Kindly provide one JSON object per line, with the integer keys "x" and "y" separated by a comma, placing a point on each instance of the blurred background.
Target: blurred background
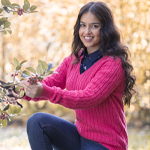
{"x": 47, "y": 35}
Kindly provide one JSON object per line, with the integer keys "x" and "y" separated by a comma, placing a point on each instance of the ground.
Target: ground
{"x": 16, "y": 139}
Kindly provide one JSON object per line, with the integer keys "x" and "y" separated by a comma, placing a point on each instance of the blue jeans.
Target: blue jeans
{"x": 48, "y": 132}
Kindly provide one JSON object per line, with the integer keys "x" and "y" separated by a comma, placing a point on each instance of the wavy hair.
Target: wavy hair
{"x": 110, "y": 43}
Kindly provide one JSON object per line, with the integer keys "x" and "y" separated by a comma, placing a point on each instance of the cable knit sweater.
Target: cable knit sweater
{"x": 95, "y": 96}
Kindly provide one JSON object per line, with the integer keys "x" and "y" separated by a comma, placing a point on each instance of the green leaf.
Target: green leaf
{"x": 8, "y": 2}
{"x": 15, "y": 5}
{"x": 23, "y": 62}
{"x": 6, "y": 9}
{"x": 33, "y": 11}
{"x": 21, "y": 94}
{"x": 18, "y": 110}
{"x": 21, "y": 114}
{"x": 43, "y": 64}
{"x": 3, "y": 2}
{"x": 7, "y": 24}
{"x": 49, "y": 66}
{"x": 31, "y": 69}
{"x": 14, "y": 110}
{"x": 49, "y": 72}
{"x": 16, "y": 61}
{"x": 1, "y": 10}
{"x": 15, "y": 13}
{"x": 18, "y": 67}
{"x": 9, "y": 31}
{"x": 6, "y": 108}
{"x": 10, "y": 6}
{"x": 33, "y": 8}
{"x": 9, "y": 110}
{"x": 26, "y": 5}
{"x": 26, "y": 72}
{"x": 13, "y": 64}
{"x": 3, "y": 32}
{"x": 18, "y": 88}
{"x": 39, "y": 69}
{"x": 4, "y": 91}
{"x": 4, "y": 123}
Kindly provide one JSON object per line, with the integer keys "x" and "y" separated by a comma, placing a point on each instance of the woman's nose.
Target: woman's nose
{"x": 87, "y": 30}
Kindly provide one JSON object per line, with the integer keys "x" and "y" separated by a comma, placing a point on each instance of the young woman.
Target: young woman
{"x": 93, "y": 81}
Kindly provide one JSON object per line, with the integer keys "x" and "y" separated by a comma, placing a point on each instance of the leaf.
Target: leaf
{"x": 26, "y": 5}
{"x": 39, "y": 69}
{"x": 21, "y": 94}
{"x": 24, "y": 76}
{"x": 7, "y": 24}
{"x": 1, "y": 10}
{"x": 18, "y": 88}
{"x": 6, "y": 9}
{"x": 0, "y": 121}
{"x": 4, "y": 91}
{"x": 18, "y": 67}
{"x": 14, "y": 13}
{"x": 21, "y": 114}
{"x": 49, "y": 66}
{"x": 14, "y": 110}
{"x": 33, "y": 11}
{"x": 4, "y": 123}
{"x": 43, "y": 64}
{"x": 3, "y": 32}
{"x": 3, "y": 2}
{"x": 8, "y": 2}
{"x": 23, "y": 62}
{"x": 49, "y": 72}
{"x": 31, "y": 69}
{"x": 12, "y": 64}
{"x": 6, "y": 108}
{"x": 15, "y": 5}
{"x": 26, "y": 72}
{"x": 32, "y": 8}
{"x": 16, "y": 62}
{"x": 3, "y": 20}
{"x": 9, "y": 110}
{"x": 9, "y": 31}
{"x": 18, "y": 110}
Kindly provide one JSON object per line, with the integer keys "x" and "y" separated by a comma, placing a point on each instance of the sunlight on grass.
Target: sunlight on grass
{"x": 16, "y": 139}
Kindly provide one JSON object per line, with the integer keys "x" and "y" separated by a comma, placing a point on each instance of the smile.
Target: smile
{"x": 88, "y": 38}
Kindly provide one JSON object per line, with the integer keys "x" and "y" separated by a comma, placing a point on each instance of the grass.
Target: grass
{"x": 16, "y": 139}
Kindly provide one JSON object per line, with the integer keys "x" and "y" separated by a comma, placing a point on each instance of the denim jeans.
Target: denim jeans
{"x": 48, "y": 132}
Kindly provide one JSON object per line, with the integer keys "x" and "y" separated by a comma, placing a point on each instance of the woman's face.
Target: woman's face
{"x": 89, "y": 31}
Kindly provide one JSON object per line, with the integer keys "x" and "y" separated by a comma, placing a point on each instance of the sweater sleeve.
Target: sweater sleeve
{"x": 57, "y": 79}
{"x": 101, "y": 86}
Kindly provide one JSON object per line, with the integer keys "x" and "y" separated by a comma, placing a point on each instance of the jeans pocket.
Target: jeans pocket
{"x": 91, "y": 145}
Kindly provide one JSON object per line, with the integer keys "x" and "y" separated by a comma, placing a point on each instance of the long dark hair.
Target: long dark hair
{"x": 110, "y": 43}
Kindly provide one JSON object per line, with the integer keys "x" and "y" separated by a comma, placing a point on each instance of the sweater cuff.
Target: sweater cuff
{"x": 46, "y": 92}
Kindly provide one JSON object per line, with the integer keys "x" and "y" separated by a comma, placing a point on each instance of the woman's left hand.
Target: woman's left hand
{"x": 33, "y": 90}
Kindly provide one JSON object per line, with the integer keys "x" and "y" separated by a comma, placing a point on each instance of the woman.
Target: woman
{"x": 93, "y": 81}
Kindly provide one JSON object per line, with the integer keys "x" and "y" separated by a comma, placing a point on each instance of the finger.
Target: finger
{"x": 15, "y": 94}
{"x": 25, "y": 83}
{"x": 12, "y": 100}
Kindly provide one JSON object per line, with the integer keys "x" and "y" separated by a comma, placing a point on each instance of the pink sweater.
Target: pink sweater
{"x": 95, "y": 96}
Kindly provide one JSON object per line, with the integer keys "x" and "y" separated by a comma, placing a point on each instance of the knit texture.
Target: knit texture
{"x": 95, "y": 96}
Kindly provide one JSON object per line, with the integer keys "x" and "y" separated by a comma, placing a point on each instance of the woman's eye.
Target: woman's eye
{"x": 82, "y": 25}
{"x": 95, "y": 26}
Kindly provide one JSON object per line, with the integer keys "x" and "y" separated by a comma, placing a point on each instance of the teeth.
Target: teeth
{"x": 86, "y": 37}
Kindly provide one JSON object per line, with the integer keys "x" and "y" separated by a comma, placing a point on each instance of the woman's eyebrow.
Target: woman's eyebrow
{"x": 90, "y": 23}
